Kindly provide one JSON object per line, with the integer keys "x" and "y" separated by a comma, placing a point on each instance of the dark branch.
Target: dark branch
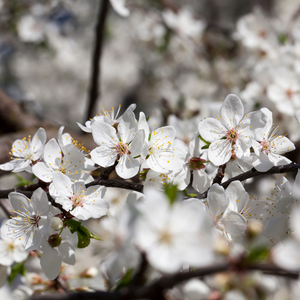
{"x": 155, "y": 290}
{"x": 220, "y": 174}
{"x": 290, "y": 168}
{"x": 96, "y": 58}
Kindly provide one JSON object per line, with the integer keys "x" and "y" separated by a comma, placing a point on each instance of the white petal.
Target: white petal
{"x": 217, "y": 201}
{"x": 40, "y": 201}
{"x": 234, "y": 223}
{"x": 120, "y": 8}
{"x": 211, "y": 129}
{"x": 67, "y": 253}
{"x": 51, "y": 262}
{"x": 232, "y": 111}
{"x": 219, "y": 152}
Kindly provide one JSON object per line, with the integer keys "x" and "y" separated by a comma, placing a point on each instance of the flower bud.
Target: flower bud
{"x": 89, "y": 273}
{"x": 54, "y": 240}
{"x": 34, "y": 278}
{"x": 56, "y": 224}
{"x": 254, "y": 227}
{"x": 196, "y": 163}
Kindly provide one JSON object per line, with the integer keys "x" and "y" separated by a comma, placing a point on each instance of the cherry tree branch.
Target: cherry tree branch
{"x": 290, "y": 168}
{"x": 95, "y": 71}
{"x": 156, "y": 289}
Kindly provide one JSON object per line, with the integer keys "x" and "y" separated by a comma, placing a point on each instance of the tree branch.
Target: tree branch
{"x": 154, "y": 290}
{"x": 96, "y": 58}
{"x": 290, "y": 168}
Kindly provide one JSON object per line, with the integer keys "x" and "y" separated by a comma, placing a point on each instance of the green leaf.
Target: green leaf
{"x": 84, "y": 230}
{"x": 125, "y": 280}
{"x": 83, "y": 239}
{"x": 171, "y": 191}
{"x": 148, "y": 119}
{"x": 258, "y": 254}
{"x": 16, "y": 269}
{"x": 73, "y": 225}
{"x": 149, "y": 137}
{"x": 22, "y": 181}
{"x": 205, "y": 147}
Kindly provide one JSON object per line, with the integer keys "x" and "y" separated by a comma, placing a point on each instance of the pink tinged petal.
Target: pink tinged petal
{"x": 52, "y": 154}
{"x": 127, "y": 166}
{"x": 104, "y": 134}
{"x": 232, "y": 111}
{"x": 219, "y": 152}
{"x": 67, "y": 253}
{"x": 201, "y": 181}
{"x": 217, "y": 201}
{"x": 40, "y": 201}
{"x": 211, "y": 129}
{"x": 43, "y": 172}
{"x": 51, "y": 262}
{"x": 104, "y": 156}
{"x": 62, "y": 184}
{"x": 234, "y": 223}
{"x": 20, "y": 202}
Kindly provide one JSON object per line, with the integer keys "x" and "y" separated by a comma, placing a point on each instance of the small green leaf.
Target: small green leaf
{"x": 258, "y": 254}
{"x": 73, "y": 225}
{"x": 83, "y": 239}
{"x": 16, "y": 269}
{"x": 148, "y": 119}
{"x": 205, "y": 147}
{"x": 149, "y": 137}
{"x": 22, "y": 181}
{"x": 125, "y": 280}
{"x": 84, "y": 230}
{"x": 171, "y": 191}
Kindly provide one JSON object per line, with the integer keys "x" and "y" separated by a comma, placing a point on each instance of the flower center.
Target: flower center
{"x": 165, "y": 237}
{"x": 232, "y": 135}
{"x": 122, "y": 148}
{"x": 77, "y": 200}
{"x": 265, "y": 146}
{"x": 289, "y": 93}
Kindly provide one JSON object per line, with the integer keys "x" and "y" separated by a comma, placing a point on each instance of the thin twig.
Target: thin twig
{"x": 220, "y": 174}
{"x": 290, "y": 168}
{"x": 96, "y": 58}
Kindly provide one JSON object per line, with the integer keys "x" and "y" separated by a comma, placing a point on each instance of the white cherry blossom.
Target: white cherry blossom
{"x": 231, "y": 133}
{"x": 11, "y": 251}
{"x": 124, "y": 145}
{"x": 33, "y": 219}
{"x": 25, "y": 152}
{"x": 170, "y": 235}
{"x": 70, "y": 163}
{"x": 269, "y": 147}
{"x": 81, "y": 202}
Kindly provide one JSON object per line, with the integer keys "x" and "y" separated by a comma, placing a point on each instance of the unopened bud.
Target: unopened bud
{"x": 221, "y": 246}
{"x": 34, "y": 278}
{"x": 54, "y": 240}
{"x": 89, "y": 273}
{"x": 196, "y": 163}
{"x": 254, "y": 227}
{"x": 56, "y": 224}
